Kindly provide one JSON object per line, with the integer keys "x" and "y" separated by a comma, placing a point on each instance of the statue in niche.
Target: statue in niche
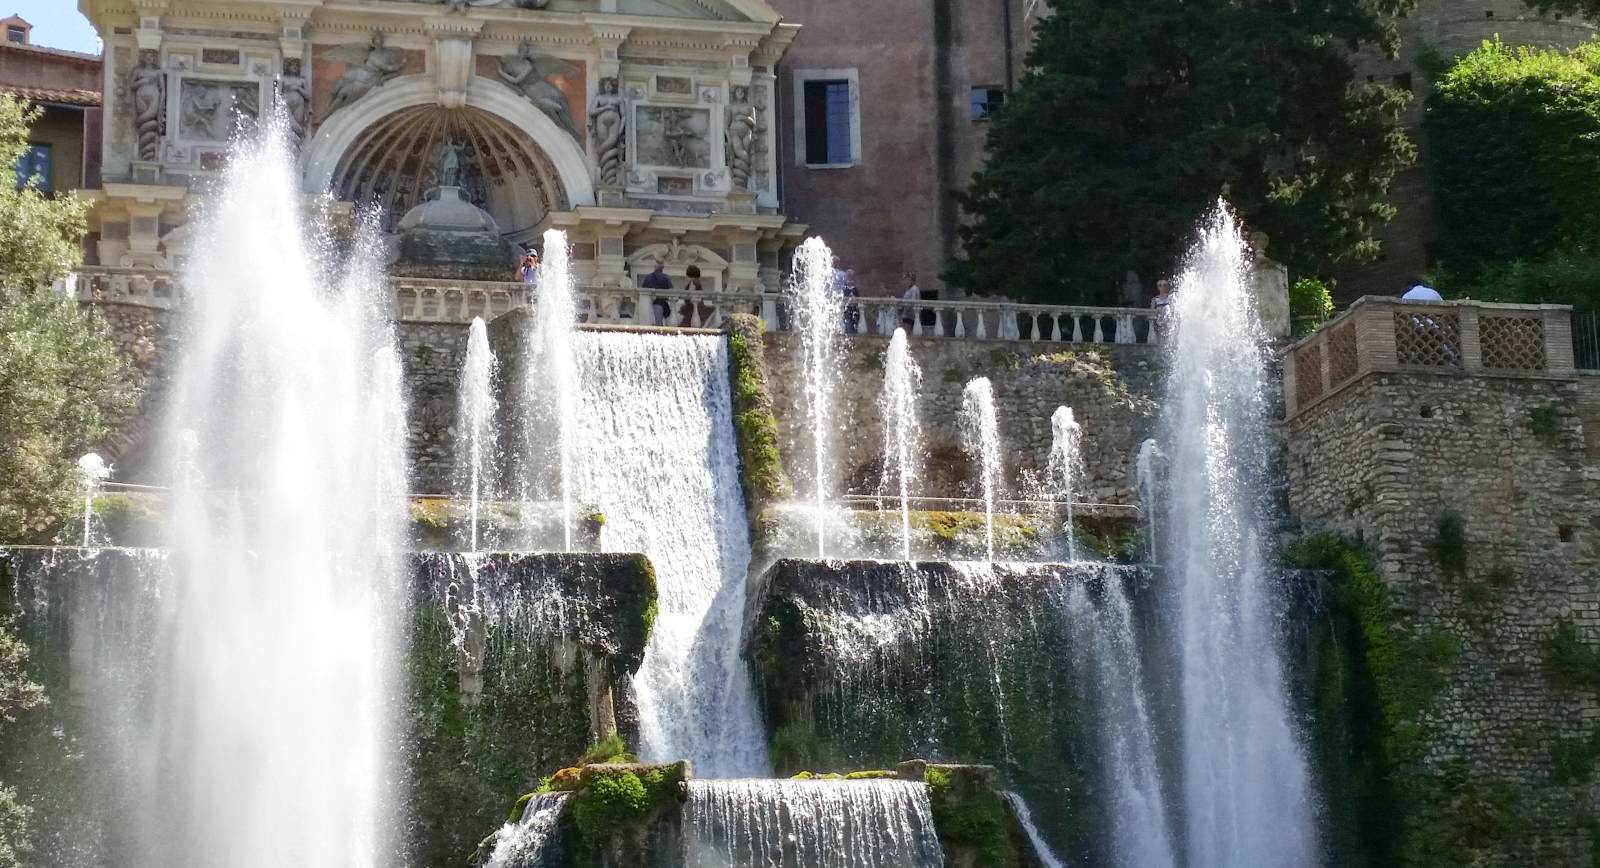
{"x": 451, "y": 157}
{"x": 377, "y": 64}
{"x": 675, "y": 135}
{"x": 530, "y": 74}
{"x": 607, "y": 128}
{"x": 295, "y": 92}
{"x": 741, "y": 136}
{"x": 147, "y": 86}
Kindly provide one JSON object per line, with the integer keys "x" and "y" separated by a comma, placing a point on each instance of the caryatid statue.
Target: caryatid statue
{"x": 295, "y": 91}
{"x": 608, "y": 132}
{"x": 741, "y": 144}
{"x": 448, "y": 173}
{"x": 147, "y": 88}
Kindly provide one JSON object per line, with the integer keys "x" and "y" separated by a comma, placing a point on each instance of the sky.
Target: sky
{"x": 56, "y": 23}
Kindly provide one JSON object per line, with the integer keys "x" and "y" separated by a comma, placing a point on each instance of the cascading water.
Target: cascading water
{"x": 809, "y": 824}
{"x": 1065, "y": 467}
{"x": 1247, "y": 790}
{"x": 898, "y": 403}
{"x": 1138, "y": 812}
{"x": 981, "y": 438}
{"x": 94, "y": 471}
{"x": 532, "y": 841}
{"x": 1041, "y": 847}
{"x": 272, "y": 734}
{"x": 660, "y": 463}
{"x": 550, "y": 388}
{"x": 475, "y": 424}
{"x": 1147, "y": 467}
{"x": 817, "y": 307}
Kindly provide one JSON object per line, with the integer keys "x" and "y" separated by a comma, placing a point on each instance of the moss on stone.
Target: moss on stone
{"x": 970, "y": 819}
{"x": 616, "y": 802}
{"x": 1569, "y": 662}
{"x": 754, "y": 422}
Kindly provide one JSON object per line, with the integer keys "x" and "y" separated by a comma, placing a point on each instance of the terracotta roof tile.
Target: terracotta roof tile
{"x": 45, "y": 94}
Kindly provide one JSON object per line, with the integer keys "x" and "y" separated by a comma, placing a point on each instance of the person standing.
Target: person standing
{"x": 911, "y": 293}
{"x": 658, "y": 280}
{"x": 1419, "y": 291}
{"x": 528, "y": 274}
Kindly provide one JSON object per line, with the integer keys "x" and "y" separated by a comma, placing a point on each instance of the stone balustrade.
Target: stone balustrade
{"x": 453, "y": 301}
{"x": 1387, "y": 335}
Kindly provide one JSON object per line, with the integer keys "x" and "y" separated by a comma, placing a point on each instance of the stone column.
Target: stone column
{"x": 1270, "y": 286}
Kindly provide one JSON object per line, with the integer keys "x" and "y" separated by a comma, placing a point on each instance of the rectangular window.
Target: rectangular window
{"x": 18, "y": 35}
{"x": 35, "y": 164}
{"x": 827, "y": 119}
{"x": 986, "y": 100}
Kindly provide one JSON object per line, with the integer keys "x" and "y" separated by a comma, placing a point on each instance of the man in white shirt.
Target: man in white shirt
{"x": 1420, "y": 291}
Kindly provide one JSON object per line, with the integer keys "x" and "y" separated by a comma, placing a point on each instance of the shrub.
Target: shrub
{"x": 1310, "y": 304}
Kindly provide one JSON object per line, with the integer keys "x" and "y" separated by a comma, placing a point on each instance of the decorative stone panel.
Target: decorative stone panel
{"x": 1428, "y": 339}
{"x": 1344, "y": 360}
{"x": 1308, "y": 375}
{"x": 1512, "y": 343}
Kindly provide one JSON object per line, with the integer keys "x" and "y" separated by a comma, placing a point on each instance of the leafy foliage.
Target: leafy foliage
{"x": 1515, "y": 140}
{"x": 1310, "y": 304}
{"x": 1134, "y": 117}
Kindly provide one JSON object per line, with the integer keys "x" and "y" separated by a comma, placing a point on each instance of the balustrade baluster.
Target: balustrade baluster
{"x": 961, "y": 323}
{"x": 769, "y": 312}
{"x": 1099, "y": 336}
{"x": 1125, "y": 329}
{"x": 983, "y": 328}
{"x": 938, "y": 322}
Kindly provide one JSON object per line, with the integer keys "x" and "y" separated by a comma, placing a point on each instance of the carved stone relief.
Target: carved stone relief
{"x": 677, "y": 137}
{"x": 529, "y": 73}
{"x": 209, "y": 111}
{"x": 376, "y": 64}
{"x": 295, "y": 91}
{"x": 740, "y": 145}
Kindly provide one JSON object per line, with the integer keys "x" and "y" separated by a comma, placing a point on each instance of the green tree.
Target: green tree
{"x": 61, "y": 380}
{"x": 1515, "y": 141}
{"x": 1134, "y": 117}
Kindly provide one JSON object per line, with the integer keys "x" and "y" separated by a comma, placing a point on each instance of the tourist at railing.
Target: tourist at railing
{"x": 1422, "y": 323}
{"x": 687, "y": 310}
{"x": 528, "y": 274}
{"x": 852, "y": 311}
{"x": 658, "y": 280}
{"x": 912, "y": 293}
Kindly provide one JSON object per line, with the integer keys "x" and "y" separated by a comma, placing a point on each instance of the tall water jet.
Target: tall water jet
{"x": 817, "y": 307}
{"x": 660, "y": 461}
{"x": 1065, "y": 467}
{"x": 901, "y": 434}
{"x": 981, "y": 438}
{"x": 550, "y": 386}
{"x": 534, "y": 839}
{"x": 475, "y": 423}
{"x": 1247, "y": 790}
{"x": 94, "y": 471}
{"x": 1041, "y": 848}
{"x": 269, "y": 733}
{"x": 1147, "y": 466}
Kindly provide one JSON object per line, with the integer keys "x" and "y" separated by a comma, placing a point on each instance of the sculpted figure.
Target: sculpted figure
{"x": 450, "y": 160}
{"x": 200, "y": 111}
{"x": 147, "y": 86}
{"x": 295, "y": 91}
{"x": 527, "y": 73}
{"x": 607, "y": 127}
{"x": 378, "y": 65}
{"x": 741, "y": 144}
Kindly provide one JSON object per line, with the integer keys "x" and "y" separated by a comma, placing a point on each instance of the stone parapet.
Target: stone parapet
{"x": 1377, "y": 334}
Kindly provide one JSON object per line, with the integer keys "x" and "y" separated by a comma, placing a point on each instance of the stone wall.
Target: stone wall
{"x": 1392, "y": 460}
{"x": 1111, "y": 390}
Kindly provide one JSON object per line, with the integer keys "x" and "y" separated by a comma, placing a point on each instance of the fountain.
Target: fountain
{"x": 475, "y": 424}
{"x": 94, "y": 471}
{"x": 1146, "y": 467}
{"x": 817, "y": 307}
{"x": 532, "y": 839}
{"x": 1247, "y": 791}
{"x": 815, "y": 824}
{"x": 1041, "y": 848}
{"x": 550, "y": 388}
{"x": 1064, "y": 468}
{"x": 275, "y": 642}
{"x": 898, "y": 403}
{"x": 981, "y": 438}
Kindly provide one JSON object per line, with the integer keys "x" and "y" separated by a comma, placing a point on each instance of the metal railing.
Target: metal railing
{"x": 456, "y": 301}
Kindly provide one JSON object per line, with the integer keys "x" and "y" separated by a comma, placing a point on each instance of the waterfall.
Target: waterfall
{"x": 901, "y": 434}
{"x": 817, "y": 306}
{"x": 475, "y": 423}
{"x": 276, "y": 641}
{"x": 1147, "y": 468}
{"x": 1065, "y": 466}
{"x": 550, "y": 388}
{"x": 94, "y": 471}
{"x": 809, "y": 824}
{"x": 660, "y": 463}
{"x": 1140, "y": 832}
{"x": 533, "y": 840}
{"x": 981, "y": 438}
{"x": 1247, "y": 790}
{"x": 1041, "y": 847}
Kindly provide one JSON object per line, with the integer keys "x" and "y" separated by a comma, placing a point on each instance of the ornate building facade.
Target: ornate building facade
{"x": 645, "y": 128}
